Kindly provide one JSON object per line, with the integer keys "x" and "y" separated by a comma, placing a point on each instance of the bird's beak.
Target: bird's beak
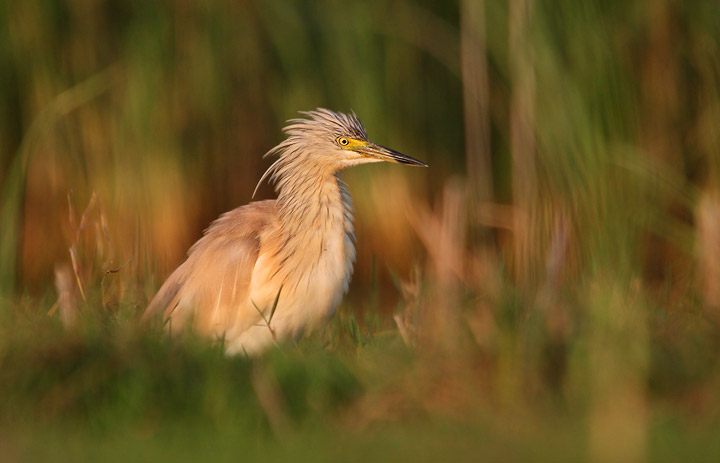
{"x": 372, "y": 150}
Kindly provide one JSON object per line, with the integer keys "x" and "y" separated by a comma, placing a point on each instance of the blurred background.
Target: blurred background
{"x": 562, "y": 252}
{"x": 165, "y": 110}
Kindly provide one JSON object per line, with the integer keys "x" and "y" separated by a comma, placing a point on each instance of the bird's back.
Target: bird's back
{"x": 210, "y": 290}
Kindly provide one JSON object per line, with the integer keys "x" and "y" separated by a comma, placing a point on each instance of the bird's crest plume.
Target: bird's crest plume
{"x": 319, "y": 123}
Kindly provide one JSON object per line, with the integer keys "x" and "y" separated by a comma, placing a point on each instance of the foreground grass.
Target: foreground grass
{"x": 425, "y": 442}
{"x": 108, "y": 389}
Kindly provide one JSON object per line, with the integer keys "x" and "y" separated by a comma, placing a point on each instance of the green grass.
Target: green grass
{"x": 109, "y": 388}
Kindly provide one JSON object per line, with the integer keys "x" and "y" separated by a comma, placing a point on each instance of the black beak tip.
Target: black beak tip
{"x": 415, "y": 162}
{"x": 404, "y": 159}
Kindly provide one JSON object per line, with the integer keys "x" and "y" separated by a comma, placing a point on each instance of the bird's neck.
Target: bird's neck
{"x": 315, "y": 206}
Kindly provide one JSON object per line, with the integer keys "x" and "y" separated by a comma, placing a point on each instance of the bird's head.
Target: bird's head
{"x": 326, "y": 141}
{"x": 344, "y": 139}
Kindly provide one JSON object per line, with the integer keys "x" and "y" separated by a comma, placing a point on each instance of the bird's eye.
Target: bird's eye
{"x": 343, "y": 141}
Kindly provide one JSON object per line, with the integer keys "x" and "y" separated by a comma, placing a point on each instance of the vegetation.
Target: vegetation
{"x": 548, "y": 290}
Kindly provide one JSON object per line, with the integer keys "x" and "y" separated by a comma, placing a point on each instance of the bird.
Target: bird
{"x": 273, "y": 271}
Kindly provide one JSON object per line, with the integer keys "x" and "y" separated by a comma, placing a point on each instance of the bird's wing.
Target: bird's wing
{"x": 211, "y": 288}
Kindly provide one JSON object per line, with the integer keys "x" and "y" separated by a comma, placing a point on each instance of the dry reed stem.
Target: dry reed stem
{"x": 618, "y": 362}
{"x": 270, "y": 399}
{"x": 67, "y": 301}
{"x": 476, "y": 100}
{"x": 708, "y": 249}
{"x": 443, "y": 234}
{"x": 522, "y": 133}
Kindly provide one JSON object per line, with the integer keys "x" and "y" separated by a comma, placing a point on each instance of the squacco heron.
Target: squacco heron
{"x": 274, "y": 270}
